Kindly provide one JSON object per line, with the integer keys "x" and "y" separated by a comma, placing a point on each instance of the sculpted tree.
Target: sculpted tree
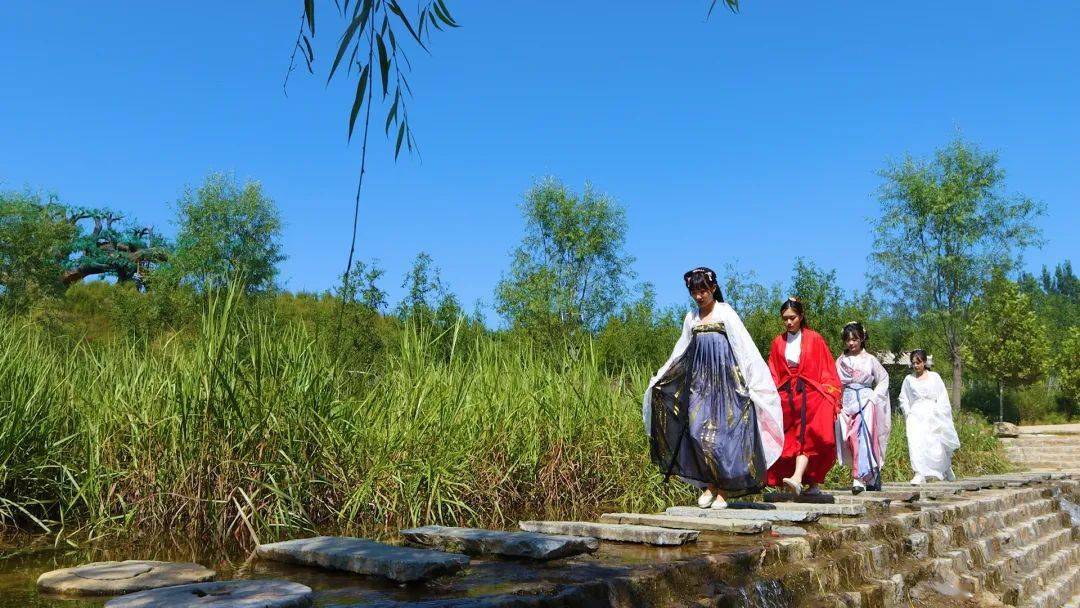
{"x": 570, "y": 269}
{"x": 110, "y": 247}
{"x": 1006, "y": 341}
{"x": 945, "y": 222}
{"x": 47, "y": 246}
{"x": 227, "y": 231}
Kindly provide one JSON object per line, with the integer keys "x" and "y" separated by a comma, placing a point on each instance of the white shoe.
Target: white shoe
{"x": 796, "y": 488}
{"x": 719, "y": 503}
{"x": 706, "y": 499}
{"x": 918, "y": 480}
{"x": 857, "y": 486}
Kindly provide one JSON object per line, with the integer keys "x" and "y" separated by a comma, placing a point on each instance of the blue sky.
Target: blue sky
{"x": 748, "y": 139}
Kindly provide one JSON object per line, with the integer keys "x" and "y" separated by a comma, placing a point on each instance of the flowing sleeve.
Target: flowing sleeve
{"x": 680, "y": 348}
{"x": 905, "y": 402}
{"x": 760, "y": 384}
{"x": 943, "y": 402}
{"x": 881, "y": 380}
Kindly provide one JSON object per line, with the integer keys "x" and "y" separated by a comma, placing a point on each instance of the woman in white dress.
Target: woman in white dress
{"x": 865, "y": 416}
{"x": 930, "y": 432}
{"x": 712, "y": 412}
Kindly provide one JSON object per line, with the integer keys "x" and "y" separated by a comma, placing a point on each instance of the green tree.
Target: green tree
{"x": 827, "y": 307}
{"x": 1005, "y": 340}
{"x": 227, "y": 231}
{"x": 35, "y": 238}
{"x": 424, "y": 289}
{"x": 640, "y": 335}
{"x": 1063, "y": 363}
{"x": 945, "y": 223}
{"x": 570, "y": 270}
{"x": 757, "y": 305}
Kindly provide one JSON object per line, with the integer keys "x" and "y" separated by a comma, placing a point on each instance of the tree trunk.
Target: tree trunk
{"x": 957, "y": 382}
{"x": 1001, "y": 403}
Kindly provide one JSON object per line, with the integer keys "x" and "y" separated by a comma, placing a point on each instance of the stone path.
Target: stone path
{"x": 773, "y": 515}
{"x": 649, "y": 535}
{"x": 704, "y": 524}
{"x": 115, "y": 578}
{"x": 400, "y": 564}
{"x": 229, "y": 594}
{"x": 496, "y": 542}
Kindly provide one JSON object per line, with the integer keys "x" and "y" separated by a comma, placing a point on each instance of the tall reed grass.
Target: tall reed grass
{"x": 253, "y": 430}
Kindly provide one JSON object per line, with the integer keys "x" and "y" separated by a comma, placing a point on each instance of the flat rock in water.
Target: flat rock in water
{"x": 511, "y": 544}
{"x": 771, "y": 515}
{"x": 818, "y": 499}
{"x": 850, "y": 509}
{"x": 118, "y": 578}
{"x": 649, "y": 535}
{"x": 226, "y": 594}
{"x": 736, "y": 526}
{"x": 401, "y": 564}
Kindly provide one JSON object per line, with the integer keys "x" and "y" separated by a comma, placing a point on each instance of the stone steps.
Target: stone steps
{"x": 1017, "y": 561}
{"x": 871, "y": 571}
{"x": 1029, "y": 585}
{"x": 1060, "y": 591}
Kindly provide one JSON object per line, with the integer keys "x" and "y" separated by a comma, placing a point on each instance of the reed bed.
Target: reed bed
{"x": 253, "y": 431}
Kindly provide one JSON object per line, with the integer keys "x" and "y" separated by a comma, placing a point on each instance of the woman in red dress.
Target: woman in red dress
{"x": 804, "y": 371}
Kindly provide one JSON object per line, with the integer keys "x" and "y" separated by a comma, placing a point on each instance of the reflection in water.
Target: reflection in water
{"x": 19, "y": 569}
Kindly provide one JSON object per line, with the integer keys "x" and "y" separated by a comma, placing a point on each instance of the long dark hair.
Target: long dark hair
{"x": 854, "y": 329}
{"x": 920, "y": 354}
{"x": 793, "y": 303}
{"x": 703, "y": 278}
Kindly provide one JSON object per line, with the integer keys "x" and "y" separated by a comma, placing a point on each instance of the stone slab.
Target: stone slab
{"x": 735, "y": 526}
{"x": 117, "y": 578}
{"x": 817, "y": 499}
{"x": 771, "y": 515}
{"x": 528, "y": 545}
{"x": 789, "y": 531}
{"x": 227, "y": 594}
{"x": 401, "y": 564}
{"x": 649, "y": 535}
{"x": 847, "y": 510}
{"x": 888, "y": 495}
{"x": 939, "y": 488}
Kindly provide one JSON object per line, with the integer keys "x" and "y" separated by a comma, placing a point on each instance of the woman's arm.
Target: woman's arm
{"x": 881, "y": 379}
{"x": 905, "y": 402}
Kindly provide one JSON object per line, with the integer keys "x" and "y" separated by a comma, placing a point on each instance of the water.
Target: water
{"x": 20, "y": 567}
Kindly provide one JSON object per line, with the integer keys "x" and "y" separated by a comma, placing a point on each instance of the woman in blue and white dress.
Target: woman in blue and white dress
{"x": 712, "y": 412}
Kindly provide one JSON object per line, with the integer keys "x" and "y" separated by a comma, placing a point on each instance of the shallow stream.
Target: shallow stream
{"x": 20, "y": 567}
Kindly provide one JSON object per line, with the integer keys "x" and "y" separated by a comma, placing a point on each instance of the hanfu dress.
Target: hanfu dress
{"x": 712, "y": 413}
{"x": 865, "y": 418}
{"x": 930, "y": 432}
{"x": 804, "y": 372}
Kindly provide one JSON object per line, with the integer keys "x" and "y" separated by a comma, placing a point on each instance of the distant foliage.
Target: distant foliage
{"x": 34, "y": 242}
{"x": 1006, "y": 341}
{"x": 640, "y": 335}
{"x": 225, "y": 231}
{"x": 945, "y": 223}
{"x": 570, "y": 270}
